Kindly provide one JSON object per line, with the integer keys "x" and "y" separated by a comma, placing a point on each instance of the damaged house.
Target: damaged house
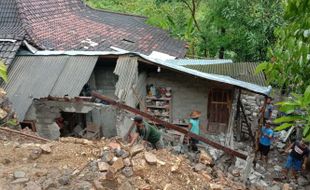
{"x": 58, "y": 51}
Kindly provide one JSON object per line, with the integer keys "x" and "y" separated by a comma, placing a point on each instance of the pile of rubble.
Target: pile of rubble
{"x": 72, "y": 163}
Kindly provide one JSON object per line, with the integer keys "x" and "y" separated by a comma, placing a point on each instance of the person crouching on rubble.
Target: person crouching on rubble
{"x": 265, "y": 141}
{"x": 147, "y": 132}
{"x": 297, "y": 158}
{"x": 194, "y": 127}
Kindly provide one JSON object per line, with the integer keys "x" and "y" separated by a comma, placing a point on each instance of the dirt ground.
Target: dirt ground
{"x": 73, "y": 165}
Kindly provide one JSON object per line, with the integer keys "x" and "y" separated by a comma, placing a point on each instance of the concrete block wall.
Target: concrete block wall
{"x": 188, "y": 93}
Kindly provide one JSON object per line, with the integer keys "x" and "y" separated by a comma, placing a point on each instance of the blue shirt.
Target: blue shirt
{"x": 264, "y": 140}
{"x": 195, "y": 125}
{"x": 268, "y": 111}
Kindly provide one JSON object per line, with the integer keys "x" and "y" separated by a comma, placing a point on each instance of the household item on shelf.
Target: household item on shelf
{"x": 158, "y": 104}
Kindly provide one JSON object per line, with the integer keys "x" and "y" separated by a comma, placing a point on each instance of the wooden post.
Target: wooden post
{"x": 169, "y": 125}
{"x": 260, "y": 124}
{"x": 232, "y": 115}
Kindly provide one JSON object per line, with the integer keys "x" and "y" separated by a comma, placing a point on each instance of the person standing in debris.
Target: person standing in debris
{"x": 148, "y": 133}
{"x": 268, "y": 110}
{"x": 194, "y": 127}
{"x": 297, "y": 158}
{"x": 265, "y": 141}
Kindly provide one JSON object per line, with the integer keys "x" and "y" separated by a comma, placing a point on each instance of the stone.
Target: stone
{"x": 103, "y": 166}
{"x": 6, "y": 161}
{"x": 114, "y": 145}
{"x": 275, "y": 187}
{"x": 127, "y": 171}
{"x": 20, "y": 180}
{"x": 150, "y": 158}
{"x": 125, "y": 154}
{"x": 235, "y": 173}
{"x": 127, "y": 162}
{"x": 169, "y": 186}
{"x": 205, "y": 158}
{"x": 302, "y": 181}
{"x": 98, "y": 185}
{"x": 64, "y": 180}
{"x": 214, "y": 186}
{"x": 207, "y": 177}
{"x": 138, "y": 165}
{"x": 277, "y": 168}
{"x": 286, "y": 186}
{"x": 126, "y": 186}
{"x": 110, "y": 175}
{"x": 32, "y": 186}
{"x": 198, "y": 167}
{"x": 119, "y": 152}
{"x": 83, "y": 185}
{"x": 19, "y": 174}
{"x": 49, "y": 183}
{"x": 107, "y": 156}
{"x": 35, "y": 153}
{"x": 118, "y": 164}
{"x": 136, "y": 149}
{"x": 46, "y": 148}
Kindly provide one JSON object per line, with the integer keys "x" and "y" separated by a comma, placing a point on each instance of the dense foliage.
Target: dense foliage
{"x": 238, "y": 29}
{"x": 290, "y": 65}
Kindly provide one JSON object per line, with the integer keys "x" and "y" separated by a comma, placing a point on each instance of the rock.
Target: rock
{"x": 64, "y": 180}
{"x": 275, "y": 187}
{"x": 286, "y": 186}
{"x": 125, "y": 154}
{"x": 162, "y": 163}
{"x": 103, "y": 167}
{"x": 136, "y": 149}
{"x": 49, "y": 183}
{"x": 206, "y": 176}
{"x": 247, "y": 112}
{"x": 119, "y": 152}
{"x": 110, "y": 175}
{"x": 277, "y": 168}
{"x": 168, "y": 186}
{"x": 107, "y": 156}
{"x": 127, "y": 162}
{"x": 150, "y": 158}
{"x": 118, "y": 164}
{"x": 302, "y": 181}
{"x": 46, "y": 148}
{"x": 198, "y": 167}
{"x": 138, "y": 165}
{"x": 127, "y": 171}
{"x": 19, "y": 174}
{"x": 214, "y": 186}
{"x": 98, "y": 185}
{"x": 32, "y": 186}
{"x": 235, "y": 173}
{"x": 205, "y": 158}
{"x": 126, "y": 186}
{"x": 6, "y": 161}
{"x": 114, "y": 145}
{"x": 3, "y": 113}
{"x": 83, "y": 185}
{"x": 20, "y": 180}
{"x": 35, "y": 153}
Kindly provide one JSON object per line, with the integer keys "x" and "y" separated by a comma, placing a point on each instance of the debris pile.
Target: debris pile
{"x": 72, "y": 163}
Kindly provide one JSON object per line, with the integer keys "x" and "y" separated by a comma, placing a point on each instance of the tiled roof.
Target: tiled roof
{"x": 244, "y": 71}
{"x": 11, "y": 30}
{"x": 71, "y": 25}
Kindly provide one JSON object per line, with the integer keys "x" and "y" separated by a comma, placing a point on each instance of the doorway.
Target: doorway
{"x": 219, "y": 106}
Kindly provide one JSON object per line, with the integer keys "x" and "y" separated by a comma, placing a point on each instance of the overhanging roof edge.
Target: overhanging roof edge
{"x": 214, "y": 77}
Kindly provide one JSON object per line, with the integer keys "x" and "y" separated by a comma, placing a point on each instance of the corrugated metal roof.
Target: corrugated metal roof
{"x": 198, "y": 61}
{"x": 39, "y": 76}
{"x": 244, "y": 71}
{"x": 260, "y": 89}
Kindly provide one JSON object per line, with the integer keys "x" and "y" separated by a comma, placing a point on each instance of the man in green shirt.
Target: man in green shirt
{"x": 147, "y": 132}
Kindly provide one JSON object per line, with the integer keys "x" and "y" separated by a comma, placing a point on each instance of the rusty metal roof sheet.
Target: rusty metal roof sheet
{"x": 40, "y": 76}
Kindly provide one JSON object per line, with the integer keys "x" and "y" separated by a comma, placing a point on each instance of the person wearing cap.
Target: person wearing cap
{"x": 297, "y": 158}
{"x": 194, "y": 127}
{"x": 147, "y": 132}
{"x": 265, "y": 141}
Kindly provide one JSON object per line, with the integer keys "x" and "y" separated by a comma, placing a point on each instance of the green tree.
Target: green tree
{"x": 289, "y": 68}
{"x": 3, "y": 71}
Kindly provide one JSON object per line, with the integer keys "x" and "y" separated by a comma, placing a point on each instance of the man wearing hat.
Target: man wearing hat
{"x": 147, "y": 132}
{"x": 297, "y": 158}
{"x": 194, "y": 127}
{"x": 265, "y": 141}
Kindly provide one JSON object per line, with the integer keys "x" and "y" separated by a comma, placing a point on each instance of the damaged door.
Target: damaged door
{"x": 219, "y": 105}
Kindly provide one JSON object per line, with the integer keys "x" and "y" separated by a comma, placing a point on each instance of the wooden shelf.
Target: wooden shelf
{"x": 158, "y": 99}
{"x": 158, "y": 107}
